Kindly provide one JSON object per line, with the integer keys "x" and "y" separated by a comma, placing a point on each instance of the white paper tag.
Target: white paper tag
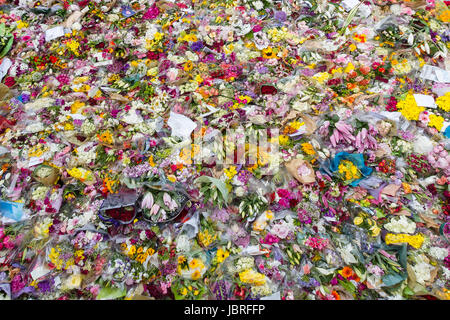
{"x": 4, "y": 67}
{"x": 435, "y": 74}
{"x": 103, "y": 63}
{"x": 394, "y": 116}
{"x": 54, "y": 33}
{"x": 181, "y": 125}
{"x": 39, "y": 272}
{"x": 35, "y": 161}
{"x": 57, "y": 281}
{"x": 424, "y": 100}
{"x": 349, "y": 4}
{"x": 78, "y": 116}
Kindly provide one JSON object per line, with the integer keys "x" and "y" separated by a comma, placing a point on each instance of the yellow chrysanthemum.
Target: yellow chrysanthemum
{"x": 409, "y": 108}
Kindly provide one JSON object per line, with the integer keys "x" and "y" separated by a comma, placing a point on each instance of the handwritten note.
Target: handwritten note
{"x": 54, "y": 33}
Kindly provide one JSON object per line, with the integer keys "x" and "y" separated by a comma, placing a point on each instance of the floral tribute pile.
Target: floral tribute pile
{"x": 101, "y": 105}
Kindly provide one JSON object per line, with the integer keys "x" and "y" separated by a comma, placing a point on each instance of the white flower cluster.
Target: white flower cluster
{"x": 39, "y": 193}
{"x": 87, "y": 128}
{"x": 86, "y": 157}
{"x": 402, "y": 146}
{"x": 145, "y": 127}
{"x": 438, "y": 253}
{"x": 401, "y": 225}
{"x": 183, "y": 244}
{"x": 35, "y": 127}
{"x": 422, "y": 271}
{"x": 261, "y": 291}
{"x": 188, "y": 87}
{"x": 242, "y": 264}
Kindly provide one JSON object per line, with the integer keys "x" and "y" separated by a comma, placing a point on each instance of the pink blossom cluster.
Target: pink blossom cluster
{"x": 440, "y": 158}
{"x": 317, "y": 243}
{"x": 5, "y": 241}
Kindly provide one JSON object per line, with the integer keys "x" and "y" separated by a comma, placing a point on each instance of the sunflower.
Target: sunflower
{"x": 268, "y": 53}
{"x": 194, "y": 263}
{"x": 222, "y": 255}
{"x": 188, "y": 66}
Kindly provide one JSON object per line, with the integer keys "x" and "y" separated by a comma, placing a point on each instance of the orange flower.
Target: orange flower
{"x": 346, "y": 272}
{"x": 336, "y": 295}
{"x": 351, "y": 86}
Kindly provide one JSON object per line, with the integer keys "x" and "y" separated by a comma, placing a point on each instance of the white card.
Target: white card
{"x": 78, "y": 116}
{"x": 4, "y": 67}
{"x": 435, "y": 74}
{"x": 349, "y": 4}
{"x": 181, "y": 125}
{"x": 39, "y": 272}
{"x": 424, "y": 100}
{"x": 54, "y": 33}
{"x": 35, "y": 161}
{"x": 103, "y": 63}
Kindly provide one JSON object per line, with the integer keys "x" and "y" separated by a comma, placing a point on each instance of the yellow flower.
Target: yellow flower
{"x": 252, "y": 277}
{"x": 21, "y": 24}
{"x": 188, "y": 66}
{"x": 231, "y": 172}
{"x": 74, "y": 281}
{"x": 308, "y": 148}
{"x": 196, "y": 275}
{"x": 321, "y": 77}
{"x": 268, "y": 53}
{"x": 375, "y": 231}
{"x": 184, "y": 291}
{"x": 283, "y": 139}
{"x": 194, "y": 263}
{"x": 409, "y": 108}
{"x": 181, "y": 259}
{"x": 159, "y": 36}
{"x": 358, "y": 220}
{"x": 222, "y": 255}
{"x": 443, "y": 102}
{"x": 436, "y": 122}
{"x": 349, "y": 67}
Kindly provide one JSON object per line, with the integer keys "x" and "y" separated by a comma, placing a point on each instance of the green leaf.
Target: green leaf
{"x": 7, "y": 47}
{"x": 392, "y": 279}
{"x": 408, "y": 292}
{"x": 2, "y": 30}
{"x": 110, "y": 293}
{"x": 218, "y": 183}
{"x": 347, "y": 285}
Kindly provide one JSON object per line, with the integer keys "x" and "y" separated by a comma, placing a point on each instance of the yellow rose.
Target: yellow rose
{"x": 358, "y": 220}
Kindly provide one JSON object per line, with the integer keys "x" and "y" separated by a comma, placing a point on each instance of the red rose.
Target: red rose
{"x": 265, "y": 89}
{"x": 9, "y": 81}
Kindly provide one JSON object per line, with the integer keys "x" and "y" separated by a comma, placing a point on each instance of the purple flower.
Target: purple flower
{"x": 197, "y": 46}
